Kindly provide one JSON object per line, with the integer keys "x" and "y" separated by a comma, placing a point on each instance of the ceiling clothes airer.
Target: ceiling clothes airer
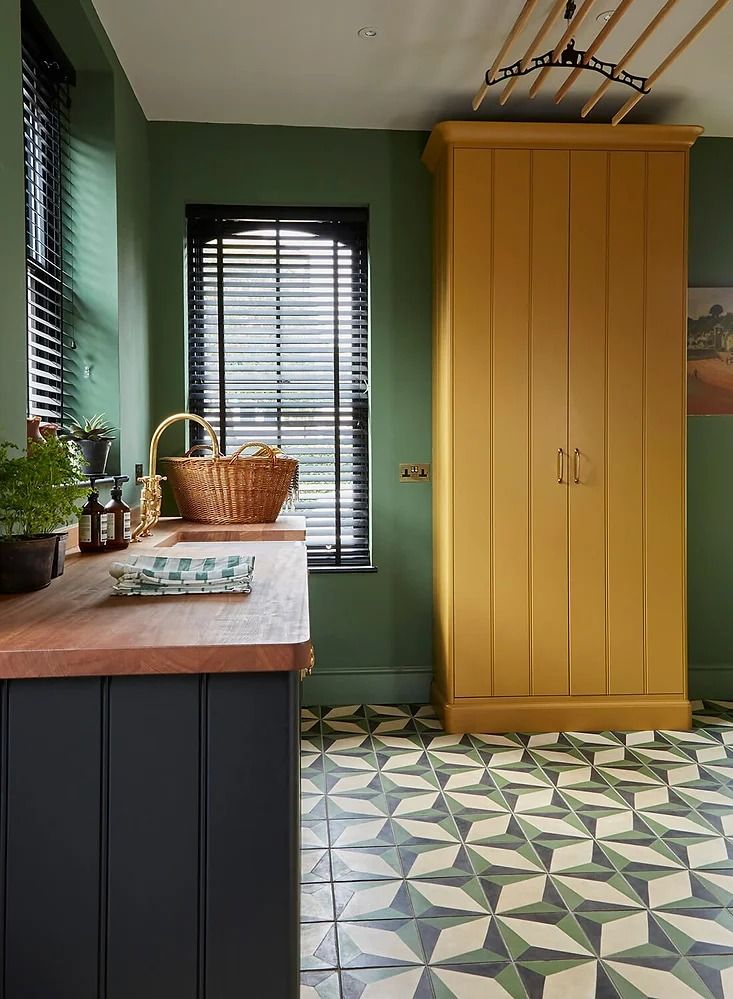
{"x": 565, "y": 54}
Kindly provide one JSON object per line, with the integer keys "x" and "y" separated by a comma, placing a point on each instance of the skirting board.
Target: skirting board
{"x": 711, "y": 680}
{"x": 562, "y": 714}
{"x": 409, "y": 685}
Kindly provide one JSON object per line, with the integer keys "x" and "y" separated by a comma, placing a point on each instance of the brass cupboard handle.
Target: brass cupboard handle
{"x": 576, "y": 466}
{"x": 560, "y": 465}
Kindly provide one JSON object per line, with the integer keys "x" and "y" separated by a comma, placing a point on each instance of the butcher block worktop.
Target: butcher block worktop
{"x": 78, "y": 627}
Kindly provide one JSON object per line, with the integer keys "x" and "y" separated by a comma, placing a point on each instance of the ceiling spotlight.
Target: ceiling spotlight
{"x": 605, "y": 15}
{"x": 367, "y": 32}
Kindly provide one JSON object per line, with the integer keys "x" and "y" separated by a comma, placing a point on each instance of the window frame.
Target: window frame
{"x": 344, "y": 226}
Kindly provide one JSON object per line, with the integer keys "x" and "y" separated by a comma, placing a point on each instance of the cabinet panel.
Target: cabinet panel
{"x": 510, "y": 420}
{"x": 625, "y": 492}
{"x": 587, "y": 419}
{"x": 549, "y": 387}
{"x": 665, "y": 408}
{"x": 472, "y": 443}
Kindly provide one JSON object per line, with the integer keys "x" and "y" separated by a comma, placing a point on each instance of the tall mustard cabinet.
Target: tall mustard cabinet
{"x": 559, "y": 425}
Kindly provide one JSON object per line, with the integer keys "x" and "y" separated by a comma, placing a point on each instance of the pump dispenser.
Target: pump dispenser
{"x": 93, "y": 524}
{"x": 118, "y": 519}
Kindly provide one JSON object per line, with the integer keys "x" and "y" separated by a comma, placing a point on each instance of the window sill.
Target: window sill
{"x": 323, "y": 569}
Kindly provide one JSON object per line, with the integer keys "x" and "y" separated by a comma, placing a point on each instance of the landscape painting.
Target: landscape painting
{"x": 710, "y": 351}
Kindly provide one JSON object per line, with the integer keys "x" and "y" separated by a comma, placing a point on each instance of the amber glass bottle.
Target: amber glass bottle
{"x": 93, "y": 525}
{"x": 119, "y": 529}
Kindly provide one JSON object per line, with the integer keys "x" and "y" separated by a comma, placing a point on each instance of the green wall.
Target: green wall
{"x": 372, "y": 631}
{"x": 710, "y": 441}
{"x": 110, "y": 370}
{"x": 12, "y": 231}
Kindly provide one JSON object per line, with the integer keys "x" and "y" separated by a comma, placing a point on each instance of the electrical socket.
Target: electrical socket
{"x": 414, "y": 473}
{"x": 138, "y": 471}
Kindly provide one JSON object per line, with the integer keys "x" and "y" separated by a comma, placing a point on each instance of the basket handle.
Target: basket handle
{"x": 197, "y": 447}
{"x": 269, "y": 451}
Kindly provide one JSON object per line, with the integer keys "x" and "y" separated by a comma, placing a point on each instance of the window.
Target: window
{"x": 277, "y": 347}
{"x": 46, "y": 81}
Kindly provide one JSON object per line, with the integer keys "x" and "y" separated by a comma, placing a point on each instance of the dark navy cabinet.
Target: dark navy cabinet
{"x": 149, "y": 837}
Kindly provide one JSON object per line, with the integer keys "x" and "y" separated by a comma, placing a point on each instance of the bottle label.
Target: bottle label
{"x": 128, "y": 528}
{"x": 85, "y": 528}
{"x": 103, "y": 530}
{"x": 111, "y": 527}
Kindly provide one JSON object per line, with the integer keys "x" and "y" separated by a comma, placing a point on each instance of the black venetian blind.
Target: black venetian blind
{"x": 278, "y": 352}
{"x": 47, "y": 78}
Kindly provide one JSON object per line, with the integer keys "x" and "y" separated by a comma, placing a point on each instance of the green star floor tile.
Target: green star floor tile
{"x": 716, "y": 971}
{"x": 409, "y": 780}
{"x": 420, "y": 804}
{"x": 624, "y": 934}
{"x": 521, "y": 858}
{"x": 485, "y": 981}
{"x": 586, "y": 892}
{"x": 366, "y": 864}
{"x": 437, "y": 828}
{"x": 315, "y": 866}
{"x": 556, "y": 865}
{"x": 572, "y": 979}
{"x": 342, "y": 806}
{"x": 664, "y": 978}
{"x": 462, "y": 940}
{"x": 431, "y": 860}
{"x": 317, "y": 946}
{"x": 372, "y": 900}
{"x": 386, "y": 983}
{"x": 522, "y": 893}
{"x": 543, "y": 936}
{"x": 346, "y": 833}
{"x": 379, "y": 943}
{"x": 698, "y": 931}
{"x": 320, "y": 985}
{"x": 316, "y": 903}
{"x": 447, "y": 896}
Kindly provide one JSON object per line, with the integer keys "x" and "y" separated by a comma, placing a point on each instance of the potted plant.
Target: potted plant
{"x": 94, "y": 438}
{"x": 39, "y": 491}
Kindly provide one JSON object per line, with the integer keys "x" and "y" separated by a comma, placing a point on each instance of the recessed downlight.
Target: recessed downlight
{"x": 367, "y": 32}
{"x": 605, "y": 15}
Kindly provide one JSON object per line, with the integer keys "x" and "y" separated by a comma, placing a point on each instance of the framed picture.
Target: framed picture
{"x": 709, "y": 351}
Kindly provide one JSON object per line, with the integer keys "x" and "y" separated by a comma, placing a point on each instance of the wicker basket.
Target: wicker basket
{"x": 238, "y": 489}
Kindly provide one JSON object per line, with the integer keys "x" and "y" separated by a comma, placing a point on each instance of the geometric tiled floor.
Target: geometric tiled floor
{"x": 561, "y": 866}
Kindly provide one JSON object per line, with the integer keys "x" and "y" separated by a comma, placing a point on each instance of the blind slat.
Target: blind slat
{"x": 281, "y": 305}
{"x": 48, "y": 226}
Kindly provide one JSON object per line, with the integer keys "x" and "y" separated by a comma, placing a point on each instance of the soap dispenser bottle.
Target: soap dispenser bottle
{"x": 119, "y": 529}
{"x": 92, "y": 524}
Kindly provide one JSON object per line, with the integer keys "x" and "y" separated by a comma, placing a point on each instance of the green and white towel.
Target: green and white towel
{"x": 157, "y": 575}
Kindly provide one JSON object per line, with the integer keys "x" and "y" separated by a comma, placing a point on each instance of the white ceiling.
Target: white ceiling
{"x": 301, "y": 62}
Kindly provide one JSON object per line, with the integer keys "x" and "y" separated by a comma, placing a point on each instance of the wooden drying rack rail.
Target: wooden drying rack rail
{"x": 564, "y": 54}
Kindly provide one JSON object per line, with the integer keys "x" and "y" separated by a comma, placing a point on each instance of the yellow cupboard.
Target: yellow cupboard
{"x": 559, "y": 425}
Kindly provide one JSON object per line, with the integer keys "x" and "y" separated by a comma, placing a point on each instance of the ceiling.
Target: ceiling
{"x": 290, "y": 62}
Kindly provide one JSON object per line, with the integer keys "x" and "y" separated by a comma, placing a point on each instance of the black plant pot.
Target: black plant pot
{"x": 26, "y": 563}
{"x": 95, "y": 454}
{"x": 59, "y": 554}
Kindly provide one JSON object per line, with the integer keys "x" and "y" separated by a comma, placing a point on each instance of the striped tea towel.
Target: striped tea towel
{"x": 156, "y": 575}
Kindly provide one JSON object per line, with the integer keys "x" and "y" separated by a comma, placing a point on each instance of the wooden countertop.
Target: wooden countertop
{"x": 77, "y": 627}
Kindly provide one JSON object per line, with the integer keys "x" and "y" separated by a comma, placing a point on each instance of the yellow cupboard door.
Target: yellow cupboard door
{"x": 587, "y": 419}
{"x": 510, "y": 423}
{"x": 548, "y": 367}
{"x": 627, "y": 178}
{"x": 665, "y": 423}
{"x": 472, "y": 428}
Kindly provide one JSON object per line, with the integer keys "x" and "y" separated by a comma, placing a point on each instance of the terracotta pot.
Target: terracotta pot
{"x": 26, "y": 563}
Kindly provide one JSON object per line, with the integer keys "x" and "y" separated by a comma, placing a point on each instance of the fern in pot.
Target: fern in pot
{"x": 39, "y": 492}
{"x": 94, "y": 438}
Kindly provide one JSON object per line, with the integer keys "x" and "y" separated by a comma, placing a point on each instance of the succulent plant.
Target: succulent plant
{"x": 95, "y": 429}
